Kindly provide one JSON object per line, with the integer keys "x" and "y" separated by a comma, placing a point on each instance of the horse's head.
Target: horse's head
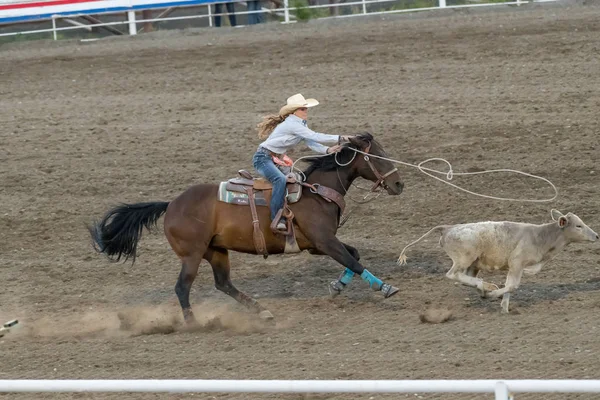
{"x": 375, "y": 169}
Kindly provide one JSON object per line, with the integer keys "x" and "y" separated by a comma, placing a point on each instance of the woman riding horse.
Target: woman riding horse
{"x": 282, "y": 132}
{"x": 199, "y": 226}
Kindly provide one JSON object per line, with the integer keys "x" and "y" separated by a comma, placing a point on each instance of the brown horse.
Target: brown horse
{"x": 198, "y": 226}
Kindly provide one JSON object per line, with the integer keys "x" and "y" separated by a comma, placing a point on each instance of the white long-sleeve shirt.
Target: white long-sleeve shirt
{"x": 294, "y": 130}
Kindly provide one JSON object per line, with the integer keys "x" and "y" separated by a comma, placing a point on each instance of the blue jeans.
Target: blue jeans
{"x": 230, "y": 10}
{"x": 256, "y": 18}
{"x": 264, "y": 165}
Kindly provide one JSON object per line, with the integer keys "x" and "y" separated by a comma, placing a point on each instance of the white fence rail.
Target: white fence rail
{"x": 286, "y": 11}
{"x": 503, "y": 389}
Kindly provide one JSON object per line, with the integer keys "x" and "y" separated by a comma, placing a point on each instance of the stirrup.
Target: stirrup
{"x": 281, "y": 226}
{"x": 279, "y": 223}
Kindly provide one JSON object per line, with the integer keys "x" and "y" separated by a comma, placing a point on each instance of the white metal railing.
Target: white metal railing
{"x": 286, "y": 11}
{"x": 502, "y": 389}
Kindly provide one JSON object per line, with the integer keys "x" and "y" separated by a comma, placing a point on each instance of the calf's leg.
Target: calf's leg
{"x": 458, "y": 272}
{"x": 513, "y": 279}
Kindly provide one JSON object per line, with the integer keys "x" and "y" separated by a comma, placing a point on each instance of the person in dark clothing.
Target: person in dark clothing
{"x": 230, "y": 10}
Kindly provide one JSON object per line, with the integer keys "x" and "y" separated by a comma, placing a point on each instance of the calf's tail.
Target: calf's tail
{"x": 402, "y": 258}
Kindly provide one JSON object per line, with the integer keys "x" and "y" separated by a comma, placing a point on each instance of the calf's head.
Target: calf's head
{"x": 575, "y": 230}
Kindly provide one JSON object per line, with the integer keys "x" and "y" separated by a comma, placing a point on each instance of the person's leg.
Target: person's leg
{"x": 253, "y": 6}
{"x": 260, "y": 17}
{"x": 231, "y": 11}
{"x": 217, "y": 17}
{"x": 264, "y": 165}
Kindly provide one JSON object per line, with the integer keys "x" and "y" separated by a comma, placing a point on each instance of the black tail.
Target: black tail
{"x": 121, "y": 228}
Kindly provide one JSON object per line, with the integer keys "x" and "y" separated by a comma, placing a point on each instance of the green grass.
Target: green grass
{"x": 303, "y": 13}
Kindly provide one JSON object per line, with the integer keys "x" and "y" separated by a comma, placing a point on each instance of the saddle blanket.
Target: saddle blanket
{"x": 235, "y": 197}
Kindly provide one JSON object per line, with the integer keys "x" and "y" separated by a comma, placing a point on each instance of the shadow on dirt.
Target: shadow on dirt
{"x": 311, "y": 277}
{"x": 529, "y": 294}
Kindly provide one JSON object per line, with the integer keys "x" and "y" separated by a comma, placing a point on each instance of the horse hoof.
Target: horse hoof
{"x": 335, "y": 288}
{"x": 188, "y": 317}
{"x": 265, "y": 315}
{"x": 389, "y": 290}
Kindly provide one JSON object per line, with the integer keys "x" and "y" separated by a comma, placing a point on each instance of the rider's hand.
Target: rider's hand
{"x": 334, "y": 149}
{"x": 345, "y": 139}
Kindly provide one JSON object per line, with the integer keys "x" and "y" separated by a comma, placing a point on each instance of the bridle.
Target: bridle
{"x": 380, "y": 178}
{"x": 332, "y": 195}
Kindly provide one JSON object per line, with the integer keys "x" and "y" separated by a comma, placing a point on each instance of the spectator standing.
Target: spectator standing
{"x": 255, "y": 18}
{"x": 230, "y": 11}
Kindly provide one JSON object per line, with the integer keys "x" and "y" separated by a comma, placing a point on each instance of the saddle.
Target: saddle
{"x": 247, "y": 190}
{"x": 245, "y": 180}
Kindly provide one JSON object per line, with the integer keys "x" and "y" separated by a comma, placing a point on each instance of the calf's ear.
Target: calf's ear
{"x": 562, "y": 221}
{"x": 555, "y": 214}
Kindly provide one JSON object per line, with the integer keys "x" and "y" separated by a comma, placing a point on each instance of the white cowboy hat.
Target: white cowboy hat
{"x": 295, "y": 102}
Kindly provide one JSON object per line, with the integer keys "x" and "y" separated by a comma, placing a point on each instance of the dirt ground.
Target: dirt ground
{"x": 86, "y": 125}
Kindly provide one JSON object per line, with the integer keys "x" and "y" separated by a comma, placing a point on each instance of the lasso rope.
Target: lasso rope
{"x": 449, "y": 175}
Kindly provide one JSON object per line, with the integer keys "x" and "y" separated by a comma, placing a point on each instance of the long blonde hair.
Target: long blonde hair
{"x": 269, "y": 123}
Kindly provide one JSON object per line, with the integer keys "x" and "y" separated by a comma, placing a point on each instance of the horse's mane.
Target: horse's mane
{"x": 329, "y": 163}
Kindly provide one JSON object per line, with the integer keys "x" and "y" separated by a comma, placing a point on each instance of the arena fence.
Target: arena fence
{"x": 128, "y": 8}
{"x": 502, "y": 389}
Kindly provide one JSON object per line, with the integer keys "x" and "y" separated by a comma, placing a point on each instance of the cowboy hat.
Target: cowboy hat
{"x": 295, "y": 102}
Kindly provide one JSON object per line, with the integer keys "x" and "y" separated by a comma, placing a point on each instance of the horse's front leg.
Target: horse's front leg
{"x": 352, "y": 250}
{"x": 336, "y": 286}
{"x": 348, "y": 256}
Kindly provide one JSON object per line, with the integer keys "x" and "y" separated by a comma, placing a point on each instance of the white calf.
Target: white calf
{"x": 513, "y": 246}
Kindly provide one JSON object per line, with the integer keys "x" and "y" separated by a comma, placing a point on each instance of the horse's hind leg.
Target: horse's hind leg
{"x": 219, "y": 261}
{"x": 189, "y": 270}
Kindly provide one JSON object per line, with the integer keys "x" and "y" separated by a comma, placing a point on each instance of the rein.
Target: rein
{"x": 332, "y": 195}
{"x": 380, "y": 177}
